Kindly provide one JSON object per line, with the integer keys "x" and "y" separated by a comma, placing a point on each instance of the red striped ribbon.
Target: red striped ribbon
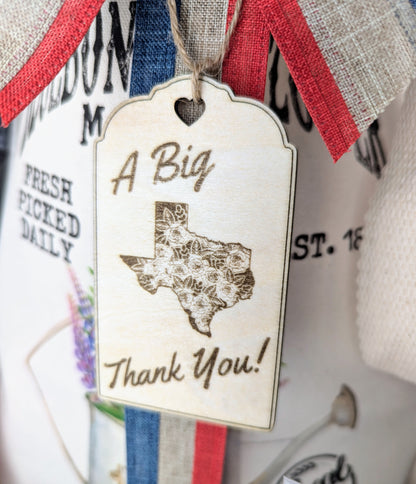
{"x": 209, "y": 453}
{"x": 245, "y": 66}
{"x": 311, "y": 74}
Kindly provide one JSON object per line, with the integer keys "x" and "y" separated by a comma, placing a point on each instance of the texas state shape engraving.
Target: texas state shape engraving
{"x": 206, "y": 276}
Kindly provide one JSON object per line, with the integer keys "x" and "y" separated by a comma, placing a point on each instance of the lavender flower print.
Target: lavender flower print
{"x": 107, "y": 419}
{"x": 81, "y": 306}
{"x": 82, "y": 319}
{"x": 206, "y": 276}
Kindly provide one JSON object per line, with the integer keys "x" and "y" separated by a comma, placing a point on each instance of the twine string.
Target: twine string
{"x": 211, "y": 65}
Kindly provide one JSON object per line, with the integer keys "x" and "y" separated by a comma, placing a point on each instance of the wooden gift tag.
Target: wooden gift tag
{"x": 193, "y": 225}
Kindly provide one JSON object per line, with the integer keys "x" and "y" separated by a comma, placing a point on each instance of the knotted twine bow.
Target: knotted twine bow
{"x": 211, "y": 65}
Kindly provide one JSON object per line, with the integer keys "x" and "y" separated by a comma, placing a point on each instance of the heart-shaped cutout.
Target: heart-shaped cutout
{"x": 189, "y": 111}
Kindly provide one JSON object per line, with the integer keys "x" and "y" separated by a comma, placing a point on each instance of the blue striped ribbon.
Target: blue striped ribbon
{"x": 154, "y": 56}
{"x": 413, "y": 3}
{"x": 142, "y": 439}
{"x": 154, "y": 51}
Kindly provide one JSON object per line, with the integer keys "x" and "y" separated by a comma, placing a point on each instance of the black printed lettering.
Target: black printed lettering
{"x": 92, "y": 123}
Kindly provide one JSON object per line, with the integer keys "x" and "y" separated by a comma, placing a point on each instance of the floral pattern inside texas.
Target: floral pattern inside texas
{"x": 206, "y": 276}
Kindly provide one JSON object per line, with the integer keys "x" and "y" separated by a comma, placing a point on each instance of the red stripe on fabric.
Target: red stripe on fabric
{"x": 311, "y": 74}
{"x": 59, "y": 43}
{"x": 245, "y": 66}
{"x": 209, "y": 453}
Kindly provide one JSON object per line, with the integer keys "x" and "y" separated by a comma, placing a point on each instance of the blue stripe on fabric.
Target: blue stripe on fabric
{"x": 154, "y": 56}
{"x": 142, "y": 438}
{"x": 154, "y": 51}
{"x": 406, "y": 17}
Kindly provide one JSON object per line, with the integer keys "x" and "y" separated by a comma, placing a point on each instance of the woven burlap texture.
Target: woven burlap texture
{"x": 175, "y": 458}
{"x": 369, "y": 48}
{"x": 387, "y": 265}
{"x": 23, "y": 24}
{"x": 202, "y": 26}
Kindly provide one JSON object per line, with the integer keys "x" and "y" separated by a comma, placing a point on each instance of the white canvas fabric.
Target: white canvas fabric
{"x": 320, "y": 345}
{"x": 387, "y": 267}
{"x": 46, "y": 421}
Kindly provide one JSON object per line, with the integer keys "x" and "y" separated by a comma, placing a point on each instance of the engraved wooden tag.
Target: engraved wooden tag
{"x": 193, "y": 218}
